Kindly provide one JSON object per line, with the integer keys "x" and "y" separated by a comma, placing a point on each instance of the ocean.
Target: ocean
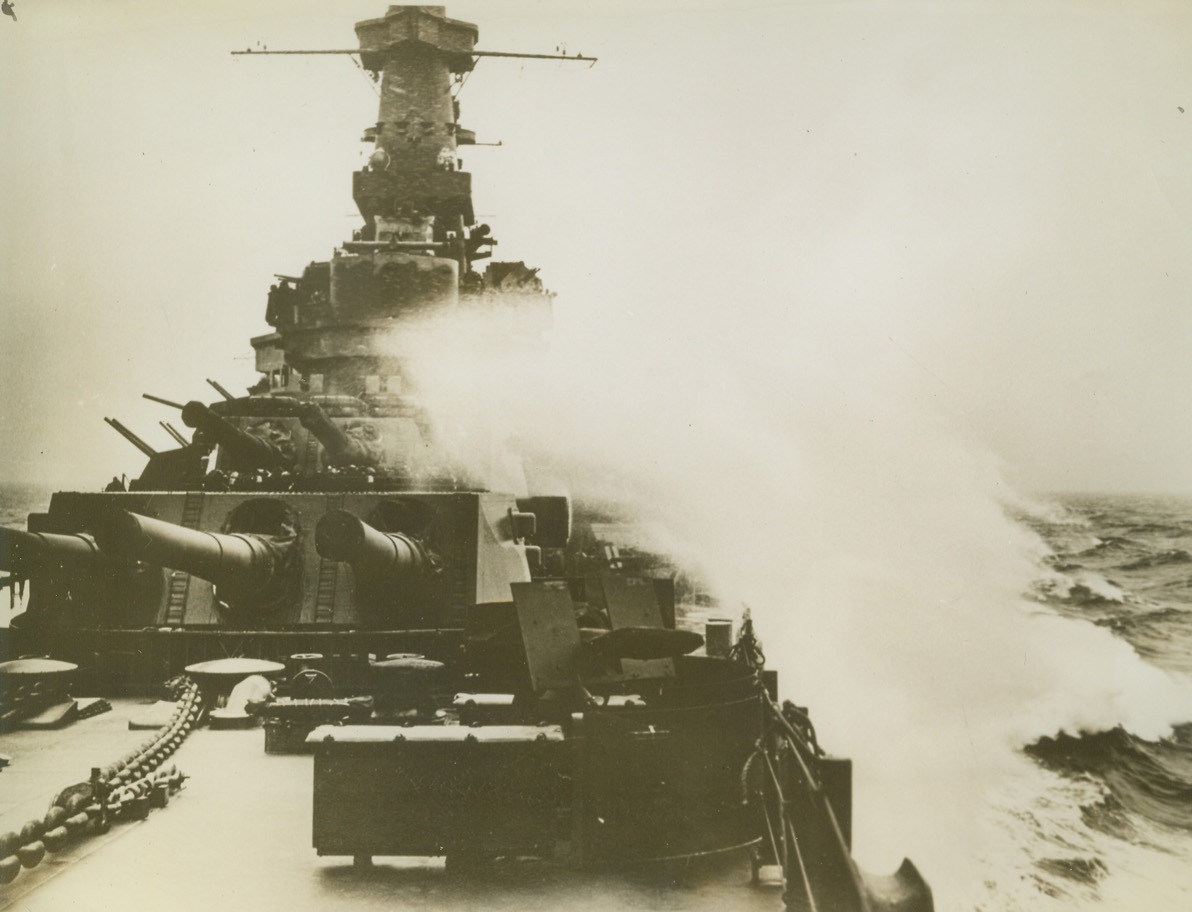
{"x": 1103, "y": 820}
{"x": 1124, "y": 564}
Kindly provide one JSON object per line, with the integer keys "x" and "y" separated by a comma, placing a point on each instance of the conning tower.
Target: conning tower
{"x": 338, "y": 326}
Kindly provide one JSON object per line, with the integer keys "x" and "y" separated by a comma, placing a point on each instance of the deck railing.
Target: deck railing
{"x": 803, "y": 834}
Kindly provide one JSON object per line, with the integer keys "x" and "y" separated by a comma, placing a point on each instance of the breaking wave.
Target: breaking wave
{"x": 873, "y": 542}
{"x": 1148, "y": 779}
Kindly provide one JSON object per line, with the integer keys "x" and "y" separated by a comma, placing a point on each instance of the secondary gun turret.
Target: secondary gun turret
{"x": 251, "y": 451}
{"x": 342, "y": 449}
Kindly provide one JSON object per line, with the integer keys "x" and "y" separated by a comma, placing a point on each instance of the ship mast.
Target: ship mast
{"x": 334, "y": 325}
{"x": 413, "y": 256}
{"x": 413, "y": 171}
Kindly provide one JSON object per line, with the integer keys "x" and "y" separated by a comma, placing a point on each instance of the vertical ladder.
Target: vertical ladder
{"x": 329, "y": 571}
{"x": 179, "y": 584}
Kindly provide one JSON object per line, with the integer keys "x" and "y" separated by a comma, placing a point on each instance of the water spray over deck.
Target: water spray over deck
{"x": 877, "y": 547}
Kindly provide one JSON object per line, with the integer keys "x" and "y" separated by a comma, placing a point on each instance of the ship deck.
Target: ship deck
{"x": 238, "y": 836}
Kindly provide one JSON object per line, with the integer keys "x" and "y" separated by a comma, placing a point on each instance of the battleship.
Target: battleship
{"x": 401, "y": 662}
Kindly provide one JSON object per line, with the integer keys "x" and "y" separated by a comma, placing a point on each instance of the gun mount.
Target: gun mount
{"x": 248, "y": 451}
{"x": 355, "y": 444}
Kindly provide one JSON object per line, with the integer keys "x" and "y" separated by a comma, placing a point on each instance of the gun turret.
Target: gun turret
{"x": 341, "y": 449}
{"x": 343, "y": 536}
{"x": 250, "y": 571}
{"x": 25, "y": 553}
{"x": 246, "y": 448}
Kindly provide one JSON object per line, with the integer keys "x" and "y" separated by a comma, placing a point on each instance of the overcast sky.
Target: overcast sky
{"x": 985, "y": 208}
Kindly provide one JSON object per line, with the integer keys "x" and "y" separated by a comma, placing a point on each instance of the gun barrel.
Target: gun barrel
{"x": 245, "y": 561}
{"x": 341, "y": 448}
{"x": 25, "y": 552}
{"x": 243, "y": 445}
{"x": 170, "y": 402}
{"x": 343, "y": 536}
{"x": 173, "y": 432}
{"x": 219, "y": 389}
{"x": 131, "y": 437}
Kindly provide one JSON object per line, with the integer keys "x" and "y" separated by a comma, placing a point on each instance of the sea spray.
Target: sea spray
{"x": 817, "y": 482}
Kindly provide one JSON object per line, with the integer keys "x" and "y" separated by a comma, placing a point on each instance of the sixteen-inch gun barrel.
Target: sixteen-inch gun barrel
{"x": 343, "y": 536}
{"x": 244, "y": 446}
{"x": 24, "y": 553}
{"x": 242, "y": 561}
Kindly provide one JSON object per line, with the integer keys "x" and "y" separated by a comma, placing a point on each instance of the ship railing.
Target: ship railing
{"x": 802, "y": 832}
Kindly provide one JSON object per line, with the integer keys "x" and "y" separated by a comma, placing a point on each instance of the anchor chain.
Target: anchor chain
{"x": 124, "y": 790}
{"x": 748, "y": 648}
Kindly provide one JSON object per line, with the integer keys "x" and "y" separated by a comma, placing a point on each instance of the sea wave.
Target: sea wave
{"x": 1163, "y": 558}
{"x": 1147, "y": 779}
{"x": 1078, "y": 587}
{"x": 1170, "y": 530}
{"x": 1112, "y": 543}
{"x": 1080, "y": 870}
